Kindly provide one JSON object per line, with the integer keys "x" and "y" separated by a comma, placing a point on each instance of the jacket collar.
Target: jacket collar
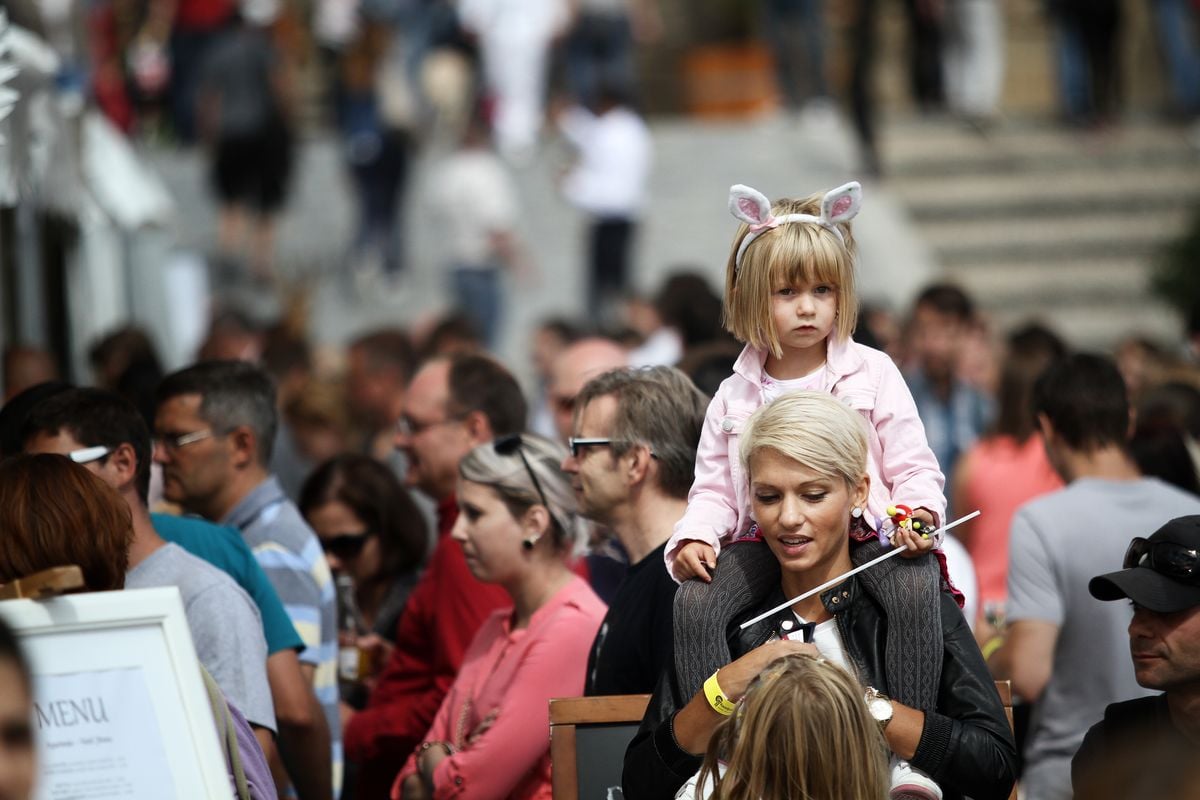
{"x": 841, "y": 359}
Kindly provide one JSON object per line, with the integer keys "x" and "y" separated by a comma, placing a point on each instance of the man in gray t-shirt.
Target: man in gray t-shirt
{"x": 225, "y": 626}
{"x": 1066, "y": 651}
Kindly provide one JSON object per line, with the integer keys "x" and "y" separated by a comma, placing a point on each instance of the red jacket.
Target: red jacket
{"x": 442, "y": 615}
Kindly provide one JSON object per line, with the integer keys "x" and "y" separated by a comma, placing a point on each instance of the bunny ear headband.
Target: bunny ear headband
{"x": 752, "y": 207}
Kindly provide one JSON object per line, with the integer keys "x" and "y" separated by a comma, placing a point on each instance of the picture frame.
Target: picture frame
{"x": 120, "y": 706}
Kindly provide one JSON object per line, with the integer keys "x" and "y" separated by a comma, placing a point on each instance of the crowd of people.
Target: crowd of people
{"x": 391, "y": 560}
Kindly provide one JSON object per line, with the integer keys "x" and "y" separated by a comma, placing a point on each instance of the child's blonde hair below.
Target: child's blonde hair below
{"x": 794, "y": 254}
{"x": 801, "y": 731}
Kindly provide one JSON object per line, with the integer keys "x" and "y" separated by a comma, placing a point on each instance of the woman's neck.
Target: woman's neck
{"x": 534, "y": 589}
{"x": 795, "y": 584}
{"x": 796, "y": 362}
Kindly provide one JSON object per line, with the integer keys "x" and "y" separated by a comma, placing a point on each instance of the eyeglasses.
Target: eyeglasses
{"x": 512, "y": 443}
{"x": 87, "y": 455}
{"x": 407, "y": 426}
{"x": 346, "y": 546}
{"x": 578, "y": 443}
{"x": 176, "y": 441}
{"x": 1166, "y": 558}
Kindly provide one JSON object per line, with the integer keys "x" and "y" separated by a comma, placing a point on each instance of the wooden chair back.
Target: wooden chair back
{"x": 573, "y": 719}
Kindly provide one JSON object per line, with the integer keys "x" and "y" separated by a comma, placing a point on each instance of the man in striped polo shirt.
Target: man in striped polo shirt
{"x": 215, "y": 423}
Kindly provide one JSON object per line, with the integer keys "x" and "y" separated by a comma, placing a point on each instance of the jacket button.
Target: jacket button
{"x": 836, "y": 599}
{"x": 727, "y": 425}
{"x": 845, "y": 594}
{"x": 458, "y": 781}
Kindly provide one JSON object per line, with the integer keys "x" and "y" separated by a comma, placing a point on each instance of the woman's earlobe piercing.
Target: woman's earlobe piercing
{"x": 856, "y": 512}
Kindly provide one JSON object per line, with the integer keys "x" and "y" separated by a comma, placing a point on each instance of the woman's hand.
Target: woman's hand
{"x": 735, "y": 678}
{"x": 694, "y": 560}
{"x": 429, "y": 759}
{"x": 695, "y": 723}
{"x": 412, "y": 788}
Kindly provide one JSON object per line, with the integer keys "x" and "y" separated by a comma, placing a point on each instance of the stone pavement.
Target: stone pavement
{"x": 686, "y": 223}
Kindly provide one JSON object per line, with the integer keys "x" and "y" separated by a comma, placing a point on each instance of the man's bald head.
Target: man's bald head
{"x": 573, "y": 368}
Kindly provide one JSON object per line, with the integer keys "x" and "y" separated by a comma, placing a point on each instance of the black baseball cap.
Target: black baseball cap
{"x": 1162, "y": 572}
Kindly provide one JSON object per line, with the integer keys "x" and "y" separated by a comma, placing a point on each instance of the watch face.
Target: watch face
{"x": 880, "y": 709}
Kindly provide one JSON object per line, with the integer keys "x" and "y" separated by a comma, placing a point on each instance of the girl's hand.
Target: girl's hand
{"x": 915, "y": 544}
{"x": 735, "y": 678}
{"x": 694, "y": 560}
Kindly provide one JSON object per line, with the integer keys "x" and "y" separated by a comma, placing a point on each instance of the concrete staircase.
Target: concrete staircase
{"x": 1040, "y": 222}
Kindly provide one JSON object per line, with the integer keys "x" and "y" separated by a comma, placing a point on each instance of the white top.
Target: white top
{"x": 774, "y": 388}
{"x": 615, "y": 152}
{"x": 473, "y": 197}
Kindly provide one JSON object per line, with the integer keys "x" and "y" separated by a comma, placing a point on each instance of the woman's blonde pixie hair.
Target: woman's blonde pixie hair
{"x": 813, "y": 428}
{"x": 801, "y": 730}
{"x": 792, "y": 254}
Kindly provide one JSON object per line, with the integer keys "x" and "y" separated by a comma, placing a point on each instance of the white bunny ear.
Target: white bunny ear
{"x": 841, "y": 204}
{"x": 749, "y": 205}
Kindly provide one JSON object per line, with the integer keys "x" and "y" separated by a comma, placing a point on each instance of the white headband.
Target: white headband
{"x": 752, "y": 207}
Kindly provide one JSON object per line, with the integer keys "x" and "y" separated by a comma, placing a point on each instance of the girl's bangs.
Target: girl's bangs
{"x": 803, "y": 257}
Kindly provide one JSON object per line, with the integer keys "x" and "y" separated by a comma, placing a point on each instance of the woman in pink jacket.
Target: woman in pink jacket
{"x": 518, "y": 528}
{"x": 790, "y": 296}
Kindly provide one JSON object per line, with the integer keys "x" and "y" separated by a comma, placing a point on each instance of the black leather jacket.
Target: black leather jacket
{"x": 967, "y": 744}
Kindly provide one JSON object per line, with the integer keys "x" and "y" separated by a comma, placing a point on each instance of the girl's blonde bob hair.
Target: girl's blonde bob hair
{"x": 813, "y": 428}
{"x": 801, "y": 730}
{"x": 795, "y": 253}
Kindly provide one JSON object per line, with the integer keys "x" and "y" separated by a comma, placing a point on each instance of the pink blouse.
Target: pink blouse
{"x": 1002, "y": 475}
{"x": 496, "y": 714}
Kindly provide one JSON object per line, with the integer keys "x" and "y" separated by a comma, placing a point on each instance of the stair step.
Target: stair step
{"x": 1075, "y": 193}
{"x": 1067, "y": 283}
{"x": 1096, "y": 327}
{"x": 963, "y": 242}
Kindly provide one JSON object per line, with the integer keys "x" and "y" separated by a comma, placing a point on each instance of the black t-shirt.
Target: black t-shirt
{"x": 634, "y": 643}
{"x": 1136, "y": 752}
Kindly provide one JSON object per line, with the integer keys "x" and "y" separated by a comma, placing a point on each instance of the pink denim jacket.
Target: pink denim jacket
{"x": 901, "y": 465}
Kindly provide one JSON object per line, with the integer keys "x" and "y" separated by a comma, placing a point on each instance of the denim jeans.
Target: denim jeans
{"x": 1176, "y": 22}
{"x": 479, "y": 294}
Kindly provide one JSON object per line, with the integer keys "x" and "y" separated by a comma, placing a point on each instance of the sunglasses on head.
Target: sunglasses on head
{"x": 507, "y": 446}
{"x": 1166, "y": 558}
{"x": 345, "y": 546}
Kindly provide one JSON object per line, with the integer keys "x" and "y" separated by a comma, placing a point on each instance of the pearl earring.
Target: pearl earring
{"x": 856, "y": 512}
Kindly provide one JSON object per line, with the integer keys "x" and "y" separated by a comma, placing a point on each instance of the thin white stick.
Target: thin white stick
{"x": 894, "y": 552}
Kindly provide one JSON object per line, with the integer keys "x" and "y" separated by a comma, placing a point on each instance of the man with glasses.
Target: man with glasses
{"x": 107, "y": 435}
{"x": 632, "y": 462}
{"x": 214, "y": 428}
{"x": 1064, "y": 650}
{"x": 451, "y": 406}
{"x": 1147, "y": 747}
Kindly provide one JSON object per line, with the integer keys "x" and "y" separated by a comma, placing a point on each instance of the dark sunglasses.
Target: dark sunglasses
{"x": 1166, "y": 558}
{"x": 346, "y": 546}
{"x": 512, "y": 443}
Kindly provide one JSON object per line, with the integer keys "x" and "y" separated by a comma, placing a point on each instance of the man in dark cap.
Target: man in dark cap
{"x": 1148, "y": 747}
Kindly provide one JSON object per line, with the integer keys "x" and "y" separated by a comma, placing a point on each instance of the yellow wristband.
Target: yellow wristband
{"x": 991, "y": 646}
{"x": 716, "y": 697}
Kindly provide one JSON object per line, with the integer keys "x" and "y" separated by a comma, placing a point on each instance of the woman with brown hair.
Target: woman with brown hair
{"x": 54, "y": 513}
{"x": 371, "y": 530}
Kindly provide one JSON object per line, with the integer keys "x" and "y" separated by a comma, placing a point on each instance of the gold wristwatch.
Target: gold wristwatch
{"x": 880, "y": 707}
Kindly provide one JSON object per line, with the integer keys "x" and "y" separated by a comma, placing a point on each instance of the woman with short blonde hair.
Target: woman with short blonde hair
{"x": 805, "y": 458}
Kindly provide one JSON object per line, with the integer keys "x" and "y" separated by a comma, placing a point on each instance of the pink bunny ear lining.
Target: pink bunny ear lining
{"x": 840, "y": 206}
{"x": 750, "y": 208}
